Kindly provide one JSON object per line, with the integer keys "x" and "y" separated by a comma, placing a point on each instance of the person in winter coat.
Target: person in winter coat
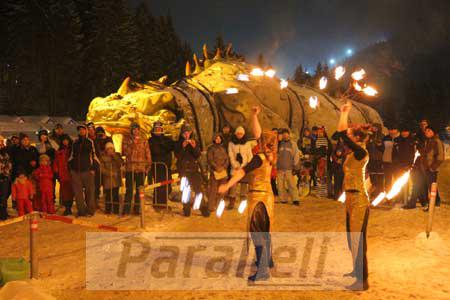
{"x": 218, "y": 163}
{"x": 57, "y": 134}
{"x": 138, "y": 161}
{"x": 43, "y": 176}
{"x": 226, "y": 135}
{"x": 322, "y": 149}
{"x": 305, "y": 142}
{"x": 287, "y": 163}
{"x": 5, "y": 179}
{"x": 46, "y": 145}
{"x": 240, "y": 154}
{"x": 101, "y": 139}
{"x": 25, "y": 157}
{"x": 337, "y": 170}
{"x": 388, "y": 167}
{"x": 22, "y": 193}
{"x": 82, "y": 164}
{"x": 187, "y": 151}
{"x": 375, "y": 147}
{"x": 111, "y": 165}
{"x": 161, "y": 147}
{"x": 62, "y": 172}
{"x": 432, "y": 157}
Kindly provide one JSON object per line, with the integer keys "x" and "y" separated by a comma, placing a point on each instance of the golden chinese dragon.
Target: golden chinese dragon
{"x": 203, "y": 99}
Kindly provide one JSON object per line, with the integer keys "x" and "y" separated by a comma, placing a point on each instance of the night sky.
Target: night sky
{"x": 287, "y": 32}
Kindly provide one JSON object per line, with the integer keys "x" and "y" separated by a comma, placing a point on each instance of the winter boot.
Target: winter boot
{"x": 186, "y": 209}
{"x": 262, "y": 272}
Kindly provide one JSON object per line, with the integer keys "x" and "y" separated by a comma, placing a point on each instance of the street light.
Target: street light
{"x": 332, "y": 61}
{"x": 349, "y": 51}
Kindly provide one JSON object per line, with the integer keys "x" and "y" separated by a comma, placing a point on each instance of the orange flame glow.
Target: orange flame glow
{"x": 378, "y": 199}
{"x": 323, "y": 82}
{"x": 358, "y": 75}
{"x": 257, "y": 72}
{"x": 283, "y": 84}
{"x": 339, "y": 72}
{"x": 270, "y": 73}
{"x": 313, "y": 102}
{"x": 357, "y": 86}
{"x": 398, "y": 185}
{"x": 369, "y": 91}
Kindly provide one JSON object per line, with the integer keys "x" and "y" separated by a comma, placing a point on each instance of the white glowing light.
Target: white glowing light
{"x": 323, "y": 82}
{"x": 232, "y": 91}
{"x": 339, "y": 72}
{"x": 398, "y": 185}
{"x": 357, "y": 86}
{"x": 242, "y": 206}
{"x": 416, "y": 156}
{"x": 358, "y": 75}
{"x": 197, "y": 201}
{"x": 349, "y": 51}
{"x": 270, "y": 73}
{"x": 313, "y": 102}
{"x": 220, "y": 208}
{"x": 369, "y": 91}
{"x": 378, "y": 199}
{"x": 283, "y": 84}
{"x": 243, "y": 77}
{"x": 186, "y": 195}
{"x": 332, "y": 61}
{"x": 342, "y": 198}
{"x": 257, "y": 72}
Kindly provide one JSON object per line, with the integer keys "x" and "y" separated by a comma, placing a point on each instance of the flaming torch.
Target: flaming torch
{"x": 313, "y": 102}
{"x": 220, "y": 208}
{"x": 283, "y": 84}
{"x": 323, "y": 82}
{"x": 270, "y": 73}
{"x": 258, "y": 72}
{"x": 339, "y": 72}
{"x": 369, "y": 91}
{"x": 357, "y": 86}
{"x": 243, "y": 77}
{"x": 358, "y": 75}
{"x": 232, "y": 91}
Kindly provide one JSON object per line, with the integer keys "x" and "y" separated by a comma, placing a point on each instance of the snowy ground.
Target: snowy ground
{"x": 403, "y": 264}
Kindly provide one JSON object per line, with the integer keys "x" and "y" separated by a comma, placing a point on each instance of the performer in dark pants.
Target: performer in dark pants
{"x": 357, "y": 202}
{"x": 261, "y": 199}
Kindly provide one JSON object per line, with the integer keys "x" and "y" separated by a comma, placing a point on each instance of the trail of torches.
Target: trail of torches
{"x": 313, "y": 102}
{"x": 283, "y": 84}
{"x": 257, "y": 72}
{"x": 323, "y": 82}
{"x": 270, "y": 73}
{"x": 369, "y": 91}
{"x": 339, "y": 72}
{"x": 358, "y": 75}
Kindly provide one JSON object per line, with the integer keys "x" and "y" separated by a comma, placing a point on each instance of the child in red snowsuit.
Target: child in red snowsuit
{"x": 44, "y": 181}
{"x": 61, "y": 169}
{"x": 22, "y": 193}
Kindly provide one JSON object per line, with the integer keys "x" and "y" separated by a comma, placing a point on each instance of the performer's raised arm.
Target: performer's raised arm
{"x": 343, "y": 119}
{"x": 256, "y": 127}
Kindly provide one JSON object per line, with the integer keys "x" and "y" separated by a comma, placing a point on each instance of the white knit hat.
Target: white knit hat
{"x": 239, "y": 129}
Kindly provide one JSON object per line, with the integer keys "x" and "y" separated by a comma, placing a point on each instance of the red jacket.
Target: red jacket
{"x": 44, "y": 178}
{"x": 22, "y": 190}
{"x": 61, "y": 164}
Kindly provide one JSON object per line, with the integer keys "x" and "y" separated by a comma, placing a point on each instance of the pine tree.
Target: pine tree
{"x": 261, "y": 62}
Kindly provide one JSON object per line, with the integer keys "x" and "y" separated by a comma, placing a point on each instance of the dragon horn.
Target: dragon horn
{"x": 218, "y": 54}
{"x": 124, "y": 89}
{"x": 228, "y": 51}
{"x": 205, "y": 51}
{"x": 198, "y": 68}
{"x": 188, "y": 68}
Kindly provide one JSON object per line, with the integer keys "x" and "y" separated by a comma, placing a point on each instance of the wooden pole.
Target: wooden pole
{"x": 33, "y": 242}
{"x": 142, "y": 204}
{"x": 431, "y": 205}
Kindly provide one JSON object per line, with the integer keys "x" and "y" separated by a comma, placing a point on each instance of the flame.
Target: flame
{"x": 323, "y": 82}
{"x": 186, "y": 195}
{"x": 257, "y": 72}
{"x": 339, "y": 72}
{"x": 358, "y": 75}
{"x": 357, "y": 86}
{"x": 342, "y": 198}
{"x": 232, "y": 91}
{"x": 378, "y": 199}
{"x": 416, "y": 156}
{"x": 220, "y": 208}
{"x": 398, "y": 185}
{"x": 242, "y": 206}
{"x": 197, "y": 201}
{"x": 370, "y": 91}
{"x": 270, "y": 73}
{"x": 283, "y": 84}
{"x": 243, "y": 77}
{"x": 313, "y": 102}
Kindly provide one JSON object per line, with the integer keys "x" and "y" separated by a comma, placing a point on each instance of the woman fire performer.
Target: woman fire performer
{"x": 260, "y": 197}
{"x": 357, "y": 201}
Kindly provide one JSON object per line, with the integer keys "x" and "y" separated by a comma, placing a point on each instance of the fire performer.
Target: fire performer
{"x": 260, "y": 197}
{"x": 357, "y": 202}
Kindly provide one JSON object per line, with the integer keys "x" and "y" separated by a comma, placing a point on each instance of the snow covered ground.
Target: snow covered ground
{"x": 403, "y": 263}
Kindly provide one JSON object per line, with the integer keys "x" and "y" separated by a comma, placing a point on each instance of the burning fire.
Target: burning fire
{"x": 323, "y": 82}
{"x": 398, "y": 185}
{"x": 342, "y": 198}
{"x": 242, "y": 206}
{"x": 313, "y": 102}
{"x": 379, "y": 198}
{"x": 197, "y": 201}
{"x": 257, "y": 72}
{"x": 369, "y": 91}
{"x": 243, "y": 77}
{"x": 220, "y": 208}
{"x": 357, "y": 86}
{"x": 283, "y": 84}
{"x": 270, "y": 73}
{"x": 232, "y": 91}
{"x": 339, "y": 72}
{"x": 358, "y": 75}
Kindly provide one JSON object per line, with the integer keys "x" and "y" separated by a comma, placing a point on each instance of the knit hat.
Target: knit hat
{"x": 239, "y": 129}
{"x": 81, "y": 126}
{"x": 90, "y": 125}
{"x": 42, "y": 132}
{"x": 109, "y": 145}
{"x": 186, "y": 127}
{"x": 100, "y": 130}
{"x": 59, "y": 126}
{"x": 44, "y": 157}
